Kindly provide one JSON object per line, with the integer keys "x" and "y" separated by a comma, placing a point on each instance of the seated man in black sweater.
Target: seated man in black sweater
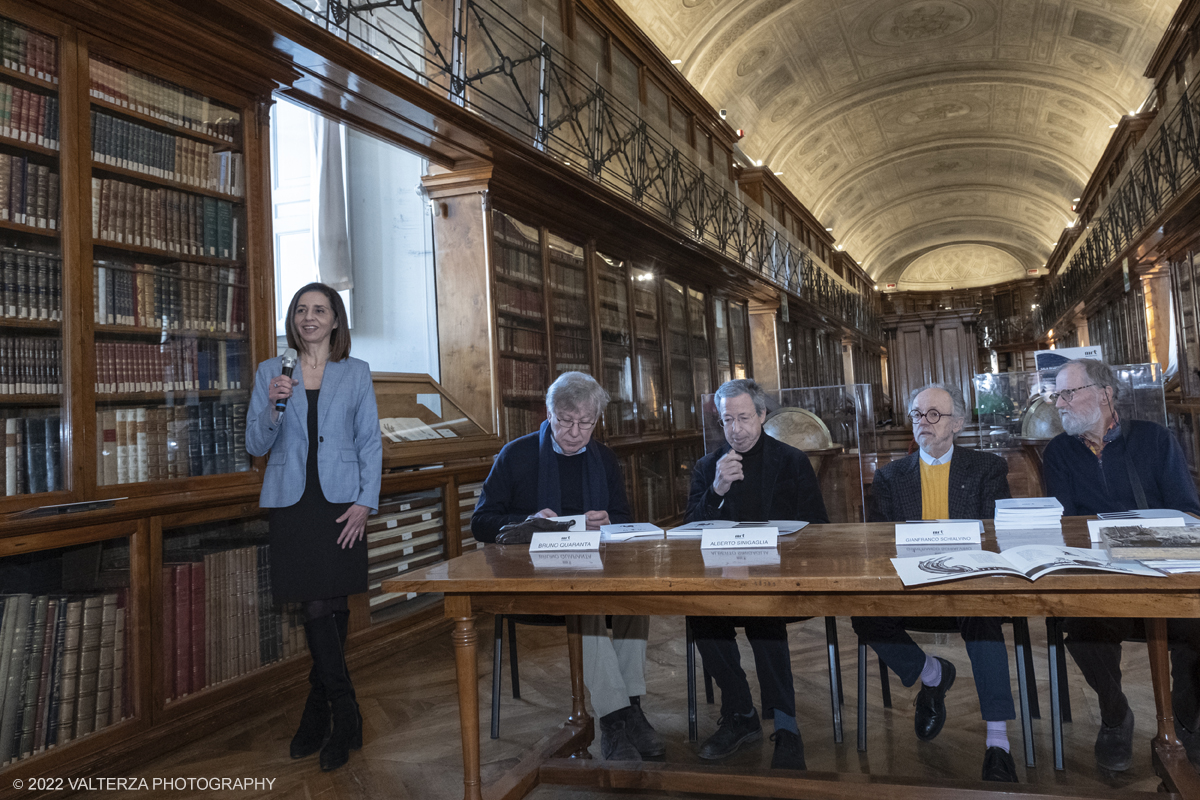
{"x": 1102, "y": 463}
{"x": 560, "y": 471}
{"x": 755, "y": 478}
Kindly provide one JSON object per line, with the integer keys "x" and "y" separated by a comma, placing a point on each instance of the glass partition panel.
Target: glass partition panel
{"x": 830, "y": 424}
{"x": 66, "y": 614}
{"x": 739, "y": 334}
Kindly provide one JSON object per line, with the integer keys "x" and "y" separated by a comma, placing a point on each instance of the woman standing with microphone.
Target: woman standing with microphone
{"x": 321, "y": 483}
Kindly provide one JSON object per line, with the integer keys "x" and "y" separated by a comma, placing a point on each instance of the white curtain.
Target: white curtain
{"x": 331, "y": 238}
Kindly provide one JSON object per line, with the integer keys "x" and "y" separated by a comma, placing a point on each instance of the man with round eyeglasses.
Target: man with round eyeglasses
{"x": 1099, "y": 464}
{"x": 942, "y": 481}
{"x": 560, "y": 471}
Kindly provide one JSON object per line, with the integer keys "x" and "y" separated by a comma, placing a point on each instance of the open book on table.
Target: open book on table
{"x": 1030, "y": 561}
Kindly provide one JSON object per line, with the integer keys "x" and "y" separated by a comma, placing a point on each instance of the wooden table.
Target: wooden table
{"x": 827, "y": 570}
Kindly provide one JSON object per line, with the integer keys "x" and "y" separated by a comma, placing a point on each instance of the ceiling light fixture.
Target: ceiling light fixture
{"x": 778, "y": 173}
{"x": 676, "y": 60}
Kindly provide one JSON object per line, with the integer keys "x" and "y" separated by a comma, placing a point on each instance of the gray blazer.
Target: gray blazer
{"x": 350, "y": 450}
{"x": 977, "y": 481}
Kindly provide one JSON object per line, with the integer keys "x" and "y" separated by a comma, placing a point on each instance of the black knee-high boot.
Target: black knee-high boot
{"x": 314, "y": 722}
{"x": 331, "y": 667}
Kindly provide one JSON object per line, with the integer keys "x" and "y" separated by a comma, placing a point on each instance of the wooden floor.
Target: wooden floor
{"x": 411, "y": 731}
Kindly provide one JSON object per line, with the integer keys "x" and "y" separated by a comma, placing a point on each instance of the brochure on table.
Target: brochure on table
{"x": 1161, "y": 518}
{"x": 1030, "y": 561}
{"x": 623, "y": 532}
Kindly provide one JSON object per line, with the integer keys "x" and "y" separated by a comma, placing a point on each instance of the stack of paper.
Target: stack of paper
{"x": 1028, "y": 512}
{"x": 1151, "y": 513}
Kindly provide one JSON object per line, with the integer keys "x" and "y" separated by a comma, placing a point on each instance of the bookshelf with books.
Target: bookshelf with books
{"x": 170, "y": 299}
{"x": 570, "y": 311}
{"x": 31, "y": 261}
{"x": 521, "y": 329}
{"x": 616, "y": 345}
{"x": 651, "y": 394}
{"x": 67, "y": 669}
{"x": 683, "y": 394}
{"x": 732, "y": 333}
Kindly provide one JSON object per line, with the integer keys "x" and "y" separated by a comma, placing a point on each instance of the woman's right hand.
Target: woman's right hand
{"x": 280, "y": 389}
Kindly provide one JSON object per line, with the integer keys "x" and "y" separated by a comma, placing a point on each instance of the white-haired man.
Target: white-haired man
{"x": 560, "y": 471}
{"x": 1102, "y": 463}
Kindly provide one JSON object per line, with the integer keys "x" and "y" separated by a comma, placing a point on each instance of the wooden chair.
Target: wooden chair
{"x": 1027, "y": 684}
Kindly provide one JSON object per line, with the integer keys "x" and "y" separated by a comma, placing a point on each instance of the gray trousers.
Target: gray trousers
{"x": 614, "y": 669}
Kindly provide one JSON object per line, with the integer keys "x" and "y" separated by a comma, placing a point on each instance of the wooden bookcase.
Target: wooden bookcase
{"x": 654, "y": 342}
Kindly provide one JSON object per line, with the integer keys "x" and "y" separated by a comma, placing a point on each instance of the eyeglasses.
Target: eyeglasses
{"x": 1067, "y": 394}
{"x": 932, "y": 416}
{"x": 575, "y": 424}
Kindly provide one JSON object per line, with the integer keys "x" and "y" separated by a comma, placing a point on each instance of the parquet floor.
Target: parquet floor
{"x": 412, "y": 739}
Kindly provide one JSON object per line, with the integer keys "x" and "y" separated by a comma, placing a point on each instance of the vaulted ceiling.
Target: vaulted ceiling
{"x": 944, "y": 142}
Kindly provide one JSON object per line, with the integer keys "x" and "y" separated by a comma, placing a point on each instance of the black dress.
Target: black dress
{"x": 307, "y": 563}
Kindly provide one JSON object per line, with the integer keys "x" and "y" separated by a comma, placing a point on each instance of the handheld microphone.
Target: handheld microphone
{"x": 289, "y": 364}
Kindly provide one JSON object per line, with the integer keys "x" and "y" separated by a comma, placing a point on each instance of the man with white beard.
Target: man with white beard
{"x": 1101, "y": 463}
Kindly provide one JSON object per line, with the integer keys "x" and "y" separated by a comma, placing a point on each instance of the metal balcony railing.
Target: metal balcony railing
{"x": 1158, "y": 174}
{"x": 490, "y": 62}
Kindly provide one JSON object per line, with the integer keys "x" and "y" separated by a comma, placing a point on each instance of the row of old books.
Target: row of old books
{"x": 30, "y": 284}
{"x": 518, "y": 263}
{"x": 181, "y": 296}
{"x": 163, "y": 219}
{"x": 62, "y": 669}
{"x": 569, "y": 310}
{"x": 177, "y": 365}
{"x": 514, "y": 299}
{"x": 522, "y": 378}
{"x": 157, "y": 98}
{"x": 135, "y": 445}
{"x": 521, "y": 340}
{"x": 29, "y": 193}
{"x": 126, "y": 144}
{"x": 220, "y": 620}
{"x": 30, "y": 365}
{"x": 520, "y": 421}
{"x": 32, "y": 453}
{"x": 28, "y": 116}
{"x": 29, "y": 52}
{"x": 568, "y": 279}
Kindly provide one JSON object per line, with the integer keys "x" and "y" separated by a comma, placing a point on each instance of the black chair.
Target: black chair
{"x": 1060, "y": 695}
{"x": 835, "y": 679}
{"x": 546, "y": 620}
{"x": 1027, "y": 691}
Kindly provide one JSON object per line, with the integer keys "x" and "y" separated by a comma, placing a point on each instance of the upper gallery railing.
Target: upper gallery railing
{"x": 490, "y": 62}
{"x": 1158, "y": 174}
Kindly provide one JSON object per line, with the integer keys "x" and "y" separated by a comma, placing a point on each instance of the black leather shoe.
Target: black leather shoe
{"x": 733, "y": 731}
{"x": 789, "y": 751}
{"x": 1114, "y": 746}
{"x": 930, "y": 715}
{"x": 615, "y": 742}
{"x": 642, "y": 734}
{"x": 998, "y": 765}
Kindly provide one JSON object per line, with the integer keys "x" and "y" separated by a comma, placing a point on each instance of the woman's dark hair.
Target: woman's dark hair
{"x": 339, "y": 337}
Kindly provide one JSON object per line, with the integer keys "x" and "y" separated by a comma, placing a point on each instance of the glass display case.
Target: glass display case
{"x": 169, "y": 287}
{"x": 31, "y": 258}
{"x": 220, "y": 618}
{"x": 422, "y": 424}
{"x": 652, "y": 405}
{"x": 1013, "y": 408}
{"x": 68, "y": 630}
{"x": 616, "y": 346}
{"x": 683, "y": 395}
{"x": 830, "y": 424}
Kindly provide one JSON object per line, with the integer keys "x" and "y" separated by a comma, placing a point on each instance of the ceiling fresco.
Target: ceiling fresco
{"x": 944, "y": 142}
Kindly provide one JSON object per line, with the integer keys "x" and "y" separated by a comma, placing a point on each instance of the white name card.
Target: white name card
{"x": 1097, "y": 525}
{"x": 728, "y": 538}
{"x": 567, "y": 559}
{"x": 938, "y": 532}
{"x": 556, "y": 541}
{"x": 741, "y": 557}
{"x": 578, "y": 521}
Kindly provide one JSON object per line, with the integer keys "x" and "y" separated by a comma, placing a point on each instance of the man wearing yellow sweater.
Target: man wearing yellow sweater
{"x": 945, "y": 482}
